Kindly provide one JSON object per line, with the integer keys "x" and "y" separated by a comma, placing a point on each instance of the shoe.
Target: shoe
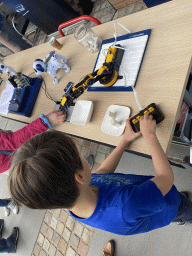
{"x": 1, "y": 227}
{"x": 7, "y": 211}
{"x": 90, "y": 160}
{"x": 109, "y": 249}
{"x": 15, "y": 236}
{"x": 14, "y": 207}
{"x": 181, "y": 222}
{"x": 186, "y": 193}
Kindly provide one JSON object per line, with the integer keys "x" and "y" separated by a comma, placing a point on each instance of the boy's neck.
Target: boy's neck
{"x": 86, "y": 202}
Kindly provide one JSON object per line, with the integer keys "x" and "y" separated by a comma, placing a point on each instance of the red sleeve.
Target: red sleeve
{"x": 12, "y": 141}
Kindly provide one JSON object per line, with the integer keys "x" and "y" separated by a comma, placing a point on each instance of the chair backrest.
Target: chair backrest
{"x": 75, "y": 20}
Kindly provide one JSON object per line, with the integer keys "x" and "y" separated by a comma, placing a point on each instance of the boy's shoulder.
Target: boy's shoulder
{"x": 117, "y": 179}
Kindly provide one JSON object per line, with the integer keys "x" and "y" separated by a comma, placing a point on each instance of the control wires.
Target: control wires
{"x": 104, "y": 51}
{"x": 135, "y": 93}
{"x": 45, "y": 89}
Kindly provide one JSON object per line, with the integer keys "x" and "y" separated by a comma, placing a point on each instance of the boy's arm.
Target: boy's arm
{"x": 110, "y": 163}
{"x": 164, "y": 175}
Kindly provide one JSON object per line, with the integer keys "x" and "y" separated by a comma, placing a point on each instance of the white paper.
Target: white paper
{"x": 6, "y": 96}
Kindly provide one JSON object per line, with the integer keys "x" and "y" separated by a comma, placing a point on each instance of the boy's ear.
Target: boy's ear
{"x": 79, "y": 177}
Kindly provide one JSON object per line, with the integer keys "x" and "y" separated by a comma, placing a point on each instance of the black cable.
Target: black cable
{"x": 31, "y": 73}
{"x": 46, "y": 92}
{"x": 45, "y": 89}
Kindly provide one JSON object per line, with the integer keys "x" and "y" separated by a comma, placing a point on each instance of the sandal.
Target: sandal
{"x": 109, "y": 249}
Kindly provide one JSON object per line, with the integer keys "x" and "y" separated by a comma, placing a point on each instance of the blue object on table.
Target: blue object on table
{"x": 25, "y": 98}
{"x": 151, "y": 3}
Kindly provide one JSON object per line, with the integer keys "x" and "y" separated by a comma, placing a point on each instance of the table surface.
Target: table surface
{"x": 162, "y": 78}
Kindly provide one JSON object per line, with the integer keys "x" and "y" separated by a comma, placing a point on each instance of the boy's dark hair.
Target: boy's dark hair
{"x": 42, "y": 172}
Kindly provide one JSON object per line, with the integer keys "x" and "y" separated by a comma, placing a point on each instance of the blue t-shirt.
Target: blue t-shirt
{"x": 130, "y": 204}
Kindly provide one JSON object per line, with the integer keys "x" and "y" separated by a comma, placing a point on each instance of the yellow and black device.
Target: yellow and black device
{"x": 106, "y": 75}
{"x": 151, "y": 109}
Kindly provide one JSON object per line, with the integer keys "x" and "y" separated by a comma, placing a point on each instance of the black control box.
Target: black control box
{"x": 151, "y": 109}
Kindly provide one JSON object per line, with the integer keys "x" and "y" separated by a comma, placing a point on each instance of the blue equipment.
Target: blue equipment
{"x": 24, "y": 99}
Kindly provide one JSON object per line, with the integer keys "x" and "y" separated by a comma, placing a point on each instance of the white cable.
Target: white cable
{"x": 135, "y": 93}
{"x": 115, "y": 34}
{"x": 104, "y": 51}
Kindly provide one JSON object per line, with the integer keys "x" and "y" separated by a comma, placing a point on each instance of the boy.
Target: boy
{"x": 47, "y": 173}
{"x": 10, "y": 141}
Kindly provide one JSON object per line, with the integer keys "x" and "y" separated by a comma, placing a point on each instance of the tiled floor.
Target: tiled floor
{"x": 60, "y": 234}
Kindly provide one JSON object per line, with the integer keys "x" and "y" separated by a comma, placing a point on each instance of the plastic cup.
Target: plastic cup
{"x": 53, "y": 42}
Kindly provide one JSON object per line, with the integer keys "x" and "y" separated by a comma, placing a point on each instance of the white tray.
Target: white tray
{"x": 122, "y": 113}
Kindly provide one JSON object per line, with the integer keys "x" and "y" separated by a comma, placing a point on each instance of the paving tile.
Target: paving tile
{"x": 49, "y": 234}
{"x": 40, "y": 239}
{"x": 70, "y": 223}
{"x": 74, "y": 241}
{"x": 66, "y": 234}
{"x": 59, "y": 254}
{"x": 70, "y": 252}
{"x": 111, "y": 150}
{"x": 53, "y": 222}
{"x": 56, "y": 213}
{"x": 82, "y": 249}
{"x": 62, "y": 246}
{"x": 44, "y": 229}
{"x": 138, "y": 7}
{"x": 100, "y": 157}
{"x": 63, "y": 216}
{"x": 78, "y": 140}
{"x": 79, "y": 147}
{"x": 86, "y": 143}
{"x": 51, "y": 211}
{"x": 37, "y": 249}
{"x": 94, "y": 145}
{"x": 48, "y": 217}
{"x": 115, "y": 15}
{"x": 104, "y": 149}
{"x": 96, "y": 167}
{"x": 60, "y": 228}
{"x": 56, "y": 238}
{"x": 3, "y": 122}
{"x": 84, "y": 152}
{"x": 14, "y": 125}
{"x": 97, "y": 8}
{"x": 86, "y": 236}
{"x": 52, "y": 250}
{"x": 109, "y": 17}
{"x": 78, "y": 229}
{"x": 93, "y": 152}
{"x": 121, "y": 12}
{"x": 129, "y": 9}
{"x": 43, "y": 253}
{"x": 46, "y": 245}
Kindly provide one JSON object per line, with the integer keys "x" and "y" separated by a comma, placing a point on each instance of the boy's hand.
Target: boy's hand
{"x": 129, "y": 134}
{"x": 147, "y": 125}
{"x": 56, "y": 117}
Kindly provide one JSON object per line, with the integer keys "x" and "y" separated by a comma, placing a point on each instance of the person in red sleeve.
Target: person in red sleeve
{"x": 10, "y": 141}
